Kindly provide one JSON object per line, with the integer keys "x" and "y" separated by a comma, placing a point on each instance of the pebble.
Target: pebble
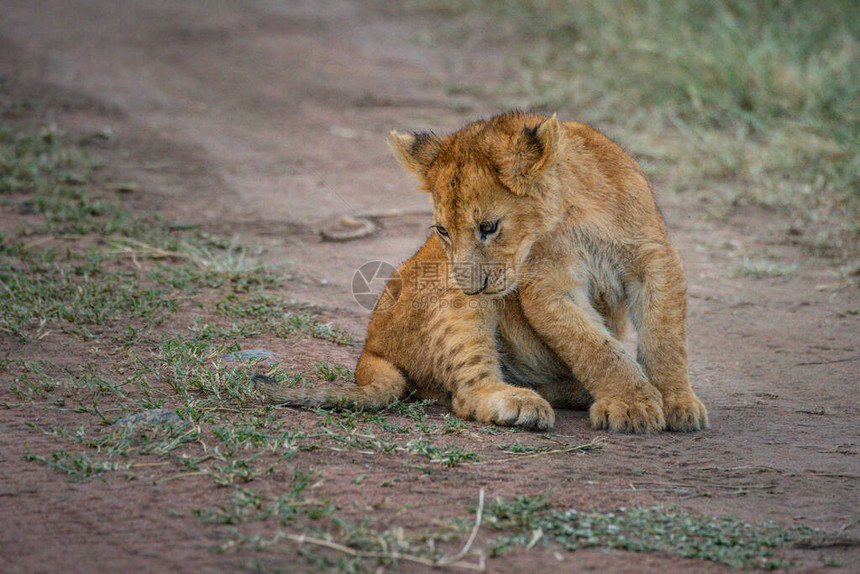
{"x": 151, "y": 417}
{"x": 250, "y": 355}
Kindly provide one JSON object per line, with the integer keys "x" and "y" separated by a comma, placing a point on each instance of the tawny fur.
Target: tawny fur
{"x": 502, "y": 325}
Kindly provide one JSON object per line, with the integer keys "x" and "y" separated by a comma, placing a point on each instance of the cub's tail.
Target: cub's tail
{"x": 378, "y": 383}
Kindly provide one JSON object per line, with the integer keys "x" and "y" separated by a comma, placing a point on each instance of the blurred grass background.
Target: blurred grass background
{"x": 734, "y": 102}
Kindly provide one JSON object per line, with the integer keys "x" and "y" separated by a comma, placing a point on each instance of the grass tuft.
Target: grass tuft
{"x": 725, "y": 540}
{"x": 765, "y": 268}
{"x": 78, "y": 465}
{"x": 450, "y": 455}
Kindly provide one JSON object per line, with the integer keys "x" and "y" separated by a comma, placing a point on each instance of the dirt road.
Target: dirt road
{"x": 268, "y": 120}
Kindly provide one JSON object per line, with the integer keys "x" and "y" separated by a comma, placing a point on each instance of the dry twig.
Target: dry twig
{"x": 595, "y": 444}
{"x": 454, "y": 561}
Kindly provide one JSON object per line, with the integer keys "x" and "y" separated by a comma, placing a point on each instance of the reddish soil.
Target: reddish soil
{"x": 268, "y": 120}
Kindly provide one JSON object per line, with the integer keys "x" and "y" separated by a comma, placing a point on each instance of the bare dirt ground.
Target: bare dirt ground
{"x": 268, "y": 120}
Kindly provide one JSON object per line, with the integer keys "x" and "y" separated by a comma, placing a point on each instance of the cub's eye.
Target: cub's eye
{"x": 488, "y": 227}
{"x": 441, "y": 230}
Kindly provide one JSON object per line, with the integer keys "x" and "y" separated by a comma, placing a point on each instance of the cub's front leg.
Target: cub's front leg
{"x": 658, "y": 306}
{"x": 560, "y": 312}
{"x": 463, "y": 356}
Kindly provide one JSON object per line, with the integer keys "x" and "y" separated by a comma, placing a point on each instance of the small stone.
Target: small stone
{"x": 348, "y": 229}
{"x": 151, "y": 417}
{"x": 250, "y": 355}
{"x": 125, "y": 187}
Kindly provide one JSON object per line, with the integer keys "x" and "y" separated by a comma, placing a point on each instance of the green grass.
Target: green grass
{"x": 725, "y": 540}
{"x": 73, "y": 293}
{"x": 275, "y": 315}
{"x": 74, "y": 289}
{"x": 331, "y": 372}
{"x": 516, "y": 447}
{"x": 762, "y": 98}
{"x": 449, "y": 455}
{"x": 520, "y": 513}
{"x": 38, "y": 160}
{"x": 79, "y": 466}
{"x": 288, "y": 507}
{"x": 765, "y": 268}
{"x": 125, "y": 441}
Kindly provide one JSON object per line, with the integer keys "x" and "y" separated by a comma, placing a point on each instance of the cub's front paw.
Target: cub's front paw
{"x": 640, "y": 413}
{"x": 516, "y": 407}
{"x": 685, "y": 413}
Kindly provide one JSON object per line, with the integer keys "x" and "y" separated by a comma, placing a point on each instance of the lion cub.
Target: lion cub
{"x": 547, "y": 237}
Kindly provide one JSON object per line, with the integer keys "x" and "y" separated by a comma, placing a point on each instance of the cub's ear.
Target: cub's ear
{"x": 415, "y": 151}
{"x": 535, "y": 149}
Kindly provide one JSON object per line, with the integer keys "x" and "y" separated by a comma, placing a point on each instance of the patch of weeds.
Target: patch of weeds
{"x": 204, "y": 265}
{"x": 37, "y": 161}
{"x": 232, "y": 265}
{"x": 196, "y": 410}
{"x": 453, "y": 425}
{"x": 289, "y": 378}
{"x": 428, "y": 428}
{"x": 125, "y": 440}
{"x": 54, "y": 179}
{"x": 78, "y": 465}
{"x": 203, "y": 330}
{"x": 395, "y": 428}
{"x": 96, "y": 385}
{"x": 344, "y": 429}
{"x": 764, "y": 268}
{"x": 274, "y": 315}
{"x": 249, "y": 506}
{"x": 261, "y": 306}
{"x": 191, "y": 280}
{"x": 726, "y": 540}
{"x": 351, "y": 415}
{"x": 331, "y": 372}
{"x": 247, "y": 435}
{"x": 256, "y": 434}
{"x": 35, "y": 296}
{"x": 246, "y": 505}
{"x": 38, "y": 288}
{"x": 54, "y": 176}
{"x": 516, "y": 447}
{"x": 193, "y": 366}
{"x": 497, "y": 430}
{"x": 233, "y": 470}
{"x": 31, "y": 382}
{"x": 410, "y": 409}
{"x": 284, "y": 444}
{"x": 450, "y": 455}
{"x": 520, "y": 513}
{"x": 344, "y": 420}
{"x": 362, "y": 548}
{"x": 303, "y": 324}
{"x": 159, "y": 440}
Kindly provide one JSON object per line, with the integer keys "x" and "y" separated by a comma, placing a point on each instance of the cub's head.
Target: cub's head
{"x": 495, "y": 192}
